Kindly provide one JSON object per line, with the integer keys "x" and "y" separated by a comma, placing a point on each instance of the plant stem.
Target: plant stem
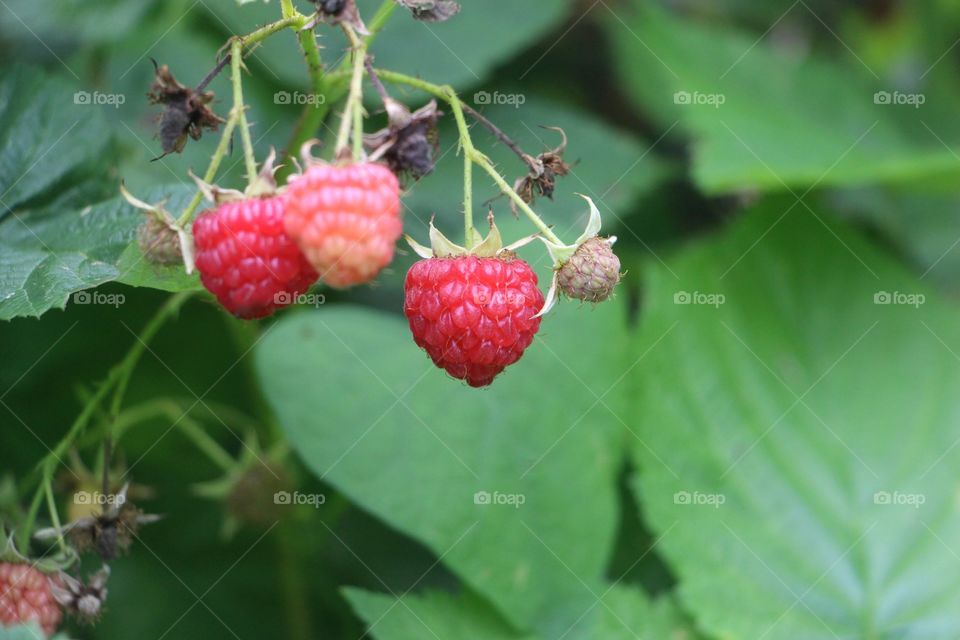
{"x": 212, "y": 169}
{"x": 352, "y": 110}
{"x": 502, "y": 137}
{"x": 456, "y": 105}
{"x": 239, "y": 109}
{"x": 118, "y": 373}
{"x": 200, "y": 438}
{"x": 467, "y": 200}
{"x": 54, "y": 516}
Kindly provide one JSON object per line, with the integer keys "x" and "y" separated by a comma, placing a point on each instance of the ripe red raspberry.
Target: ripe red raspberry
{"x": 473, "y": 315}
{"x": 346, "y": 220}
{"x": 247, "y": 260}
{"x": 25, "y": 596}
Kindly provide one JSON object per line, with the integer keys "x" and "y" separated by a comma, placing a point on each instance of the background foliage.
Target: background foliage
{"x": 757, "y": 439}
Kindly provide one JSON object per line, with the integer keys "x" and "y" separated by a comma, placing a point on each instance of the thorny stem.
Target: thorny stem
{"x": 456, "y": 106}
{"x": 352, "y": 110}
{"x": 375, "y": 81}
{"x": 54, "y": 515}
{"x": 115, "y": 377}
{"x": 502, "y": 137}
{"x": 467, "y": 200}
{"x": 212, "y": 169}
{"x": 236, "y": 62}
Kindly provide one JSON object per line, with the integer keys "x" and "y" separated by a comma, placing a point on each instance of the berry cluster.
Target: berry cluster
{"x": 335, "y": 223}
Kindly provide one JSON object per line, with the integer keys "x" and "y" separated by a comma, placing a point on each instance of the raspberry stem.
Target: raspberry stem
{"x": 54, "y": 515}
{"x": 353, "y": 109}
{"x": 236, "y": 62}
{"x": 448, "y": 95}
{"x": 212, "y": 169}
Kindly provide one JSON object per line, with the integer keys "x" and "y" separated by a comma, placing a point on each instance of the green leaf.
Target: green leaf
{"x": 461, "y": 51}
{"x": 762, "y": 119}
{"x": 47, "y": 134}
{"x": 431, "y": 615}
{"x": 627, "y": 613}
{"x": 624, "y": 613}
{"x": 799, "y": 425}
{"x": 48, "y": 254}
{"x": 423, "y": 452}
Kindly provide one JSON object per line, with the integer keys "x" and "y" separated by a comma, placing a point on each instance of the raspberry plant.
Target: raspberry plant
{"x": 368, "y": 351}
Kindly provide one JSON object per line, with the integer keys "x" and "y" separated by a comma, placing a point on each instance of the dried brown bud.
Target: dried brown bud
{"x": 159, "y": 242}
{"x": 431, "y": 10}
{"x": 544, "y": 169}
{"x": 83, "y": 600}
{"x": 337, "y": 11}
{"x": 409, "y": 142}
{"x": 186, "y": 111}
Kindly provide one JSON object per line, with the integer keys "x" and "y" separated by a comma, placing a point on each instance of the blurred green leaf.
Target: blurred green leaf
{"x": 48, "y": 254}
{"x": 624, "y": 613}
{"x": 422, "y": 451}
{"x": 763, "y": 118}
{"x": 799, "y": 434}
{"x": 433, "y": 614}
{"x": 48, "y": 131}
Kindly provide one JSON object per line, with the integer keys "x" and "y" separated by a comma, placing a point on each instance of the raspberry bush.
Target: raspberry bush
{"x": 410, "y": 319}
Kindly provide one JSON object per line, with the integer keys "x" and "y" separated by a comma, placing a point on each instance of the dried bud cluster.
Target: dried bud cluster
{"x": 544, "y": 170}
{"x": 186, "y": 114}
{"x": 408, "y": 144}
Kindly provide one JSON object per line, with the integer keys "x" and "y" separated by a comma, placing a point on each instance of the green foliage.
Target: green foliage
{"x": 414, "y": 435}
{"x": 798, "y": 456}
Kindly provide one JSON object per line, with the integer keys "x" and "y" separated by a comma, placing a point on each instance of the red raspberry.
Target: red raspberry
{"x": 25, "y": 596}
{"x": 346, "y": 220}
{"x": 472, "y": 315}
{"x": 246, "y": 259}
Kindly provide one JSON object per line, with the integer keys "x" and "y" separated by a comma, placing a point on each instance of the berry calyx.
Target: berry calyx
{"x": 247, "y": 260}
{"x": 474, "y": 312}
{"x": 592, "y": 271}
{"x": 345, "y": 219}
{"x": 26, "y": 596}
{"x": 586, "y": 270}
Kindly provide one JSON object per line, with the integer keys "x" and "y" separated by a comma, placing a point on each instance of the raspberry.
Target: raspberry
{"x": 592, "y": 271}
{"x": 473, "y": 315}
{"x": 246, "y": 259}
{"x": 25, "y": 596}
{"x": 159, "y": 243}
{"x": 346, "y": 219}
